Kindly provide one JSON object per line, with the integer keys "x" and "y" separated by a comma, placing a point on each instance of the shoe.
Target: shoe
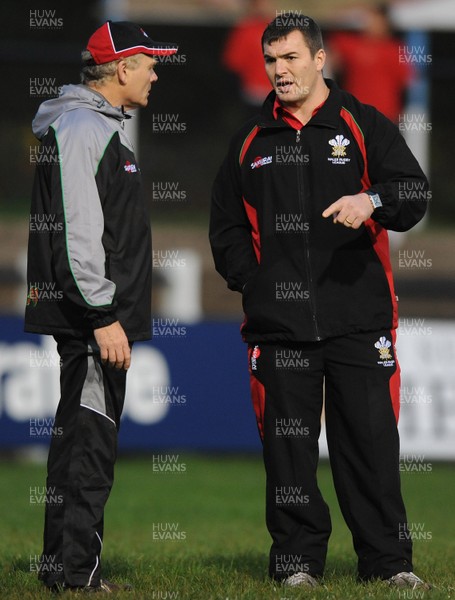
{"x": 409, "y": 580}
{"x": 56, "y": 588}
{"x": 300, "y": 580}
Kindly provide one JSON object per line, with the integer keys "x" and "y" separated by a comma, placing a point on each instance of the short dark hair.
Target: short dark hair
{"x": 290, "y": 21}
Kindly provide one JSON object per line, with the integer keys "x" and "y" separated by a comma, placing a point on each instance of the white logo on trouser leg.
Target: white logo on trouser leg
{"x": 385, "y": 357}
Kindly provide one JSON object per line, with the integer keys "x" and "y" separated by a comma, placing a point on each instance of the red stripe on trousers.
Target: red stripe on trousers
{"x": 257, "y": 396}
{"x": 395, "y": 380}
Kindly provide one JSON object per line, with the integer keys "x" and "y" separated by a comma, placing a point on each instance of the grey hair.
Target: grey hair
{"x": 99, "y": 74}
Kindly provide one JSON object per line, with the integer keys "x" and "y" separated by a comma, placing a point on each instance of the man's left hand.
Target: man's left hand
{"x": 350, "y": 211}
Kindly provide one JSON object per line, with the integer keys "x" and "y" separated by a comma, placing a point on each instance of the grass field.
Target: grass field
{"x": 213, "y": 507}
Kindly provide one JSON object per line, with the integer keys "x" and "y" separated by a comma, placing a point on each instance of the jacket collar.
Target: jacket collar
{"x": 326, "y": 116}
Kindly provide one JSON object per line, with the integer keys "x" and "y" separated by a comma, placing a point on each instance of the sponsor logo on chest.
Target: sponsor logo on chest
{"x": 260, "y": 162}
{"x": 130, "y": 167}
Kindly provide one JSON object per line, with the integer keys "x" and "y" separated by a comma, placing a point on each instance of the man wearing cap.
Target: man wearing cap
{"x": 96, "y": 259}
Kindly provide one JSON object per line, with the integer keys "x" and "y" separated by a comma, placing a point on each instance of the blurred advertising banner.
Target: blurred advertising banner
{"x": 189, "y": 389}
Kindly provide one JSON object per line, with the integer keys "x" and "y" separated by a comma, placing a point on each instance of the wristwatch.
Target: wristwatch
{"x": 374, "y": 198}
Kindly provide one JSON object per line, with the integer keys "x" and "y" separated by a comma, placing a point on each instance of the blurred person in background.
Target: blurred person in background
{"x": 300, "y": 211}
{"x": 368, "y": 62}
{"x": 242, "y": 54}
{"x": 89, "y": 279}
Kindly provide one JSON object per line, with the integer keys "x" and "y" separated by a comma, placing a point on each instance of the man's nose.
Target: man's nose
{"x": 281, "y": 67}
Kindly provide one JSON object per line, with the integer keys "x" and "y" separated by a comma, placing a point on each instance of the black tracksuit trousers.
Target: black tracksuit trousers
{"x": 358, "y": 375}
{"x": 80, "y": 468}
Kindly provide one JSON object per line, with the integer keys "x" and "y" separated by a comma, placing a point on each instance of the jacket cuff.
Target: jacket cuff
{"x": 100, "y": 319}
{"x": 238, "y": 283}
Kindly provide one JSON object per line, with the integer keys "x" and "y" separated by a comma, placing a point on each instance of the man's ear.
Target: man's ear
{"x": 320, "y": 57}
{"x": 122, "y": 72}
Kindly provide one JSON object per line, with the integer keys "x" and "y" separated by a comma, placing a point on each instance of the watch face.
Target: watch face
{"x": 376, "y": 200}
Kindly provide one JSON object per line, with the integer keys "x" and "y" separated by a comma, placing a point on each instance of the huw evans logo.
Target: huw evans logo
{"x": 167, "y": 463}
{"x": 45, "y": 563}
{"x": 290, "y": 291}
{"x": 290, "y": 564}
{"x": 45, "y": 495}
{"x": 44, "y": 223}
{"x": 290, "y": 223}
{"x": 165, "y": 259}
{"x": 168, "y": 328}
{"x": 43, "y": 291}
{"x": 167, "y": 531}
{"x": 291, "y": 495}
{"x": 292, "y": 427}
{"x": 42, "y": 87}
{"x": 414, "y": 55}
{"x": 168, "y": 123}
{"x": 291, "y": 359}
{"x": 32, "y": 296}
{"x": 168, "y": 190}
{"x": 45, "y": 19}
{"x": 44, "y": 428}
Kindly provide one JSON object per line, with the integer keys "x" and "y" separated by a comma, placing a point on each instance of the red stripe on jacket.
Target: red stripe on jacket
{"x": 247, "y": 142}
{"x": 253, "y": 219}
{"x": 378, "y": 235}
{"x": 250, "y": 210}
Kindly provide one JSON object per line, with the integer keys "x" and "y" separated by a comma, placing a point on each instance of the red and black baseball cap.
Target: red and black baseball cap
{"x": 119, "y": 39}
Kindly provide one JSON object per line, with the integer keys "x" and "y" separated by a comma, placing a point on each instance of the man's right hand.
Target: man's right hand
{"x": 114, "y": 346}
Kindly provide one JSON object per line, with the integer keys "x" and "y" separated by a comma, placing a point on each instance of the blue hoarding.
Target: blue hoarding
{"x": 188, "y": 389}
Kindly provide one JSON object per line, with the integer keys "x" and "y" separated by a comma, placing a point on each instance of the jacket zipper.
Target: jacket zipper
{"x": 307, "y": 247}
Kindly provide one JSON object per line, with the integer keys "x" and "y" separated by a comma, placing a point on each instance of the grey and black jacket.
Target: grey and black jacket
{"x": 89, "y": 252}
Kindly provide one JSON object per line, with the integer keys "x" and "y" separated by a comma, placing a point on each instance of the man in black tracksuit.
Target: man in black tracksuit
{"x": 89, "y": 280}
{"x": 300, "y": 210}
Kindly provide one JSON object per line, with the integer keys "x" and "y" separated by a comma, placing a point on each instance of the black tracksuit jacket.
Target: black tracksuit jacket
{"x": 302, "y": 277}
